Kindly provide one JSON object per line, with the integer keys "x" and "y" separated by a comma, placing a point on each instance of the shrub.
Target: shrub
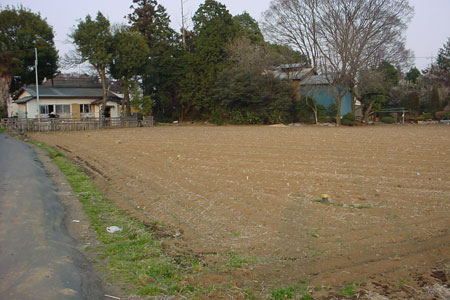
{"x": 348, "y": 119}
{"x": 442, "y": 115}
{"x": 216, "y": 118}
{"x": 302, "y": 112}
{"x": 388, "y": 120}
{"x": 426, "y": 116}
{"x": 322, "y": 113}
{"x": 332, "y": 111}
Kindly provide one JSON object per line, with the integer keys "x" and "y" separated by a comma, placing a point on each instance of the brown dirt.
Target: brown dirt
{"x": 229, "y": 193}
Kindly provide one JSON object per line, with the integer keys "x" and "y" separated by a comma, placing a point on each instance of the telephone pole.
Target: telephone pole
{"x": 183, "y": 31}
{"x": 37, "y": 83}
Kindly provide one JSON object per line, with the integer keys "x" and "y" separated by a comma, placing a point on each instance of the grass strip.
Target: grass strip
{"x": 133, "y": 256}
{"x": 2, "y": 129}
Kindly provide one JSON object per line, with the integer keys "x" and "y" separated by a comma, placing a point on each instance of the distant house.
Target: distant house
{"x": 319, "y": 88}
{"x": 63, "y": 102}
{"x": 74, "y": 80}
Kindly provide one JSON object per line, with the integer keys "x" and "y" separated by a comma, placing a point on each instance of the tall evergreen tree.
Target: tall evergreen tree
{"x": 130, "y": 54}
{"x": 151, "y": 20}
{"x": 413, "y": 75}
{"x": 162, "y": 73}
{"x": 214, "y": 28}
{"x": 248, "y": 27}
{"x": 443, "y": 64}
{"x": 443, "y": 59}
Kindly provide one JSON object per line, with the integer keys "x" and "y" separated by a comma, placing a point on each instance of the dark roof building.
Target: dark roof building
{"x": 49, "y": 92}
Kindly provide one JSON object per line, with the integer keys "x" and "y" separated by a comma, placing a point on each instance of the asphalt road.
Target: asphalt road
{"x": 38, "y": 259}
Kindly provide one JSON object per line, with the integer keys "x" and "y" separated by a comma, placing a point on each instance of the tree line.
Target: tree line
{"x": 219, "y": 69}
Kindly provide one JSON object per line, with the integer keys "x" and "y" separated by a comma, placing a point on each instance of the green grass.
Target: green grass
{"x": 402, "y": 282}
{"x": 283, "y": 293}
{"x": 347, "y": 291}
{"x": 2, "y": 129}
{"x": 235, "y": 261}
{"x": 290, "y": 293}
{"x": 133, "y": 257}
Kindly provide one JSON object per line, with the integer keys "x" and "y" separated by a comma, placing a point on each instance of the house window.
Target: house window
{"x": 62, "y": 109}
{"x": 84, "y": 108}
{"x": 46, "y": 109}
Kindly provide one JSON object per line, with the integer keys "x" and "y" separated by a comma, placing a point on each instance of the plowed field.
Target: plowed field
{"x": 248, "y": 197}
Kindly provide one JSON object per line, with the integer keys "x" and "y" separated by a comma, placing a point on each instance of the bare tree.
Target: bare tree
{"x": 294, "y": 23}
{"x": 249, "y": 56}
{"x": 341, "y": 36}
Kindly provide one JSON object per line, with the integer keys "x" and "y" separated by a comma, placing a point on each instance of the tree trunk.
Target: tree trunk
{"x": 126, "y": 96}
{"x": 314, "y": 108}
{"x": 4, "y": 94}
{"x": 338, "y": 111}
{"x": 316, "y": 119}
{"x": 367, "y": 112}
{"x": 123, "y": 102}
{"x": 102, "y": 73}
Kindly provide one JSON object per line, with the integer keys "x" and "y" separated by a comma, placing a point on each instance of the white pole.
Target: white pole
{"x": 37, "y": 83}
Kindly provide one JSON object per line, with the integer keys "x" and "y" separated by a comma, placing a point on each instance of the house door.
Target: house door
{"x": 108, "y": 112}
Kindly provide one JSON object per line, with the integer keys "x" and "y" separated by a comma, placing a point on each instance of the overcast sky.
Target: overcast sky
{"x": 428, "y": 31}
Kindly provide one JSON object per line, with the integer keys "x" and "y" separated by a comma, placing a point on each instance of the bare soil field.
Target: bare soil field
{"x": 246, "y": 201}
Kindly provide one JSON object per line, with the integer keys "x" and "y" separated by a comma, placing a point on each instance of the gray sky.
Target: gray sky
{"x": 428, "y": 31}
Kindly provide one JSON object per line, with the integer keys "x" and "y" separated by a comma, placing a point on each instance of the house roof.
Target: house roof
{"x": 73, "y": 80}
{"x": 24, "y": 100}
{"x": 49, "y": 92}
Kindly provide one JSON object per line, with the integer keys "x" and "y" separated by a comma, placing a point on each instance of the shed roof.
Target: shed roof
{"x": 315, "y": 80}
{"x": 282, "y": 73}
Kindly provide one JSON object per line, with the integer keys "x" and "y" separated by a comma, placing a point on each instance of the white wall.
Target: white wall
{"x": 30, "y": 109}
{"x": 13, "y": 108}
{"x": 115, "y": 110}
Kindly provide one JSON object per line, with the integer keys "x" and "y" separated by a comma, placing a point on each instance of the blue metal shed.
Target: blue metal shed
{"x": 319, "y": 88}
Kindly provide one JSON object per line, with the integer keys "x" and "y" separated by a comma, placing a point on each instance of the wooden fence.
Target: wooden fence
{"x": 50, "y": 124}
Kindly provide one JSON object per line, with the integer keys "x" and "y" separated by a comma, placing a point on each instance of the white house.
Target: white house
{"x": 62, "y": 102}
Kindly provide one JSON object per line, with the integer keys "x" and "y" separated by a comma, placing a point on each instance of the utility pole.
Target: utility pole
{"x": 183, "y": 31}
{"x": 37, "y": 83}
